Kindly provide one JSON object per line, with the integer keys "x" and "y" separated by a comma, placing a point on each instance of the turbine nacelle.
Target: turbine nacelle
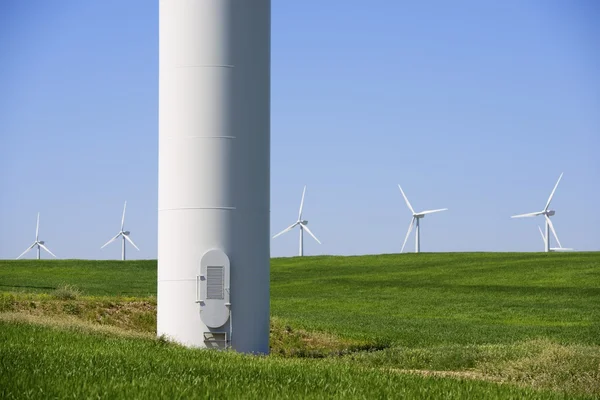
{"x": 304, "y": 222}
{"x": 550, "y": 213}
{"x": 40, "y": 242}
{"x": 126, "y": 233}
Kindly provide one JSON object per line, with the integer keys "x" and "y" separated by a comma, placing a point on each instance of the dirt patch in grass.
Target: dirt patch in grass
{"x": 287, "y": 341}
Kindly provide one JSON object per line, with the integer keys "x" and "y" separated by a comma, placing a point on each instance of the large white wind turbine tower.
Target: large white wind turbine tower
{"x": 39, "y": 243}
{"x": 124, "y": 236}
{"x": 303, "y": 226}
{"x": 547, "y": 213}
{"x": 553, "y": 248}
{"x": 416, "y": 217}
{"x": 214, "y": 138}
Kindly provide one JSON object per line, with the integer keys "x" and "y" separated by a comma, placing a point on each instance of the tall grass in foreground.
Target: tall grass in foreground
{"x": 540, "y": 363}
{"x": 537, "y": 363}
{"x": 42, "y": 362}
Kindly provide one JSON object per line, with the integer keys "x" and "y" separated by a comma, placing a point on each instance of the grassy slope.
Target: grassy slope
{"x": 410, "y": 300}
{"x": 440, "y": 299}
{"x": 42, "y": 362}
{"x": 95, "y": 278}
{"x": 527, "y": 318}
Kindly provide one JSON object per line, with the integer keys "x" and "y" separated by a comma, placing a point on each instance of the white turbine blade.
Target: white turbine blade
{"x": 111, "y": 240}
{"x": 533, "y": 214}
{"x": 310, "y": 233}
{"x": 542, "y": 233}
{"x": 552, "y": 194}
{"x": 552, "y": 229}
{"x": 406, "y": 199}
{"x": 301, "y": 204}
{"x": 29, "y": 248}
{"x": 37, "y": 227}
{"x": 289, "y": 228}
{"x": 45, "y": 248}
{"x": 432, "y": 211}
{"x": 131, "y": 241}
{"x": 412, "y": 220}
{"x": 123, "y": 219}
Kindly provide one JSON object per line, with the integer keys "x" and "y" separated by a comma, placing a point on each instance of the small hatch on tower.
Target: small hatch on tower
{"x": 212, "y": 288}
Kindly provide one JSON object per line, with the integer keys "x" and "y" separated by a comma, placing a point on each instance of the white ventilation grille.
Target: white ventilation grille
{"x": 214, "y": 283}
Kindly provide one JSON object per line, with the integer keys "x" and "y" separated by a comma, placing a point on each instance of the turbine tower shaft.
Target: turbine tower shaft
{"x": 547, "y": 244}
{"x": 301, "y": 252}
{"x": 213, "y": 173}
{"x": 417, "y": 236}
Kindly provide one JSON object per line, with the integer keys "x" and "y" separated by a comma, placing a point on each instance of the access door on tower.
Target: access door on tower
{"x": 212, "y": 289}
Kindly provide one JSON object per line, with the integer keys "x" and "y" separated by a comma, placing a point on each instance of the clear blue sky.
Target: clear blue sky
{"x": 477, "y": 106}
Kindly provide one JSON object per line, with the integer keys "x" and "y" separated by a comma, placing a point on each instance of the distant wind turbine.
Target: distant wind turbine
{"x": 553, "y": 248}
{"x": 303, "y": 226}
{"x": 547, "y": 213}
{"x": 416, "y": 216}
{"x": 39, "y": 243}
{"x": 124, "y": 236}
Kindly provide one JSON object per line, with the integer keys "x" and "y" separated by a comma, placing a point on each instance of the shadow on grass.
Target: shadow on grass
{"x": 505, "y": 289}
{"x": 28, "y": 287}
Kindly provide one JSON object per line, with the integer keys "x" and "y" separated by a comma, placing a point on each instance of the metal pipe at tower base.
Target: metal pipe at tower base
{"x": 213, "y": 178}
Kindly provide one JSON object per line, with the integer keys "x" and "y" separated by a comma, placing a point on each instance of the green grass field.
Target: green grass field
{"x": 455, "y": 325}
